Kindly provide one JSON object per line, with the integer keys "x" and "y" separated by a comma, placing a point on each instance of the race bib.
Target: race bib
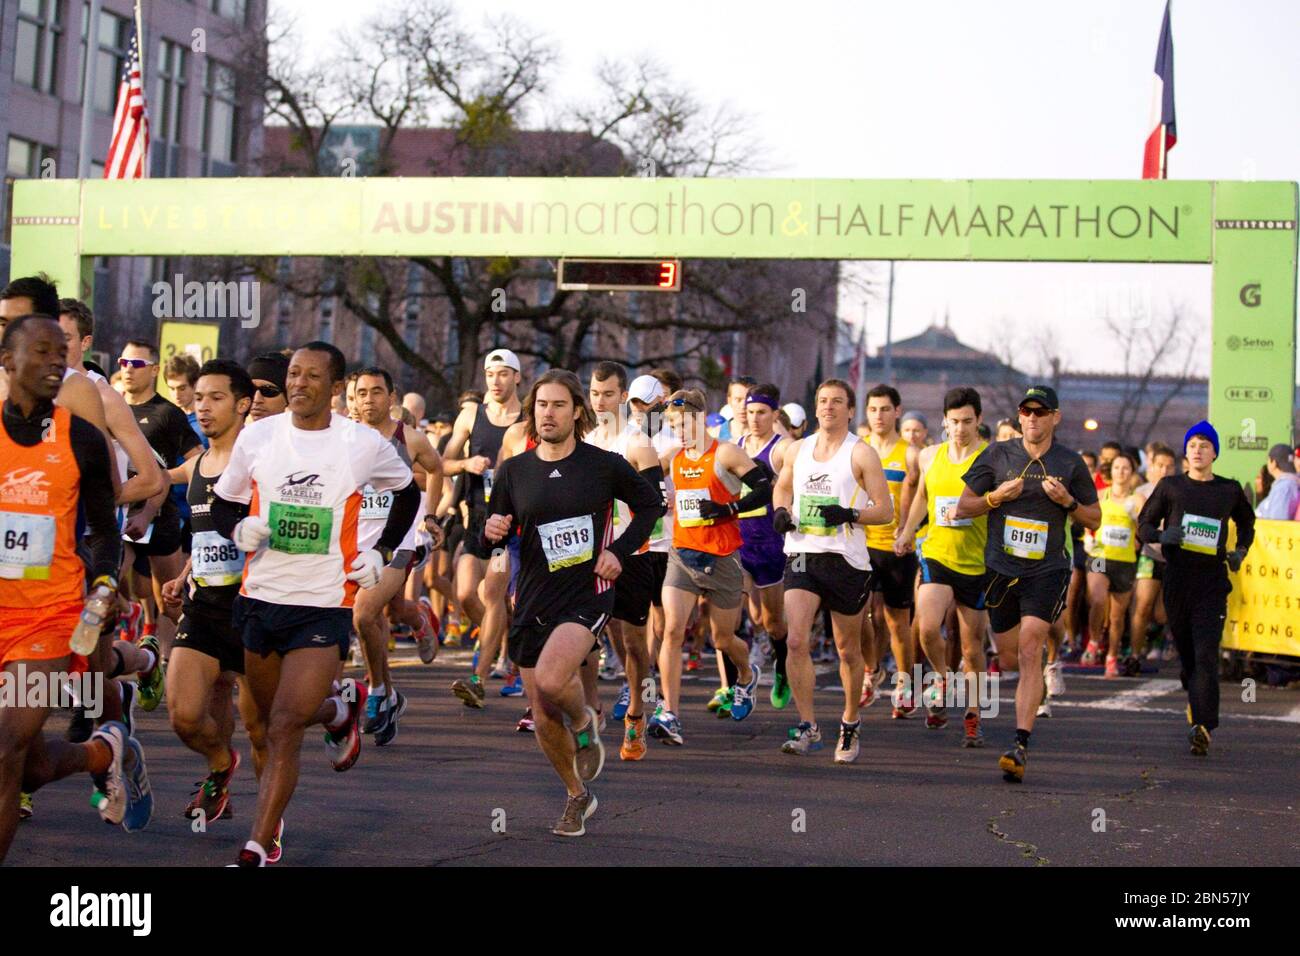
{"x": 688, "y": 507}
{"x": 215, "y": 561}
{"x": 567, "y": 542}
{"x": 1201, "y": 534}
{"x": 300, "y": 529}
{"x": 375, "y": 505}
{"x": 488, "y": 475}
{"x": 1116, "y": 536}
{"x": 810, "y": 518}
{"x": 1024, "y": 537}
{"x": 945, "y": 507}
{"x": 143, "y": 539}
{"x": 26, "y": 546}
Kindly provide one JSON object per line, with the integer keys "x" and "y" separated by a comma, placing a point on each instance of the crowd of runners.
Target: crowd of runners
{"x": 244, "y": 547}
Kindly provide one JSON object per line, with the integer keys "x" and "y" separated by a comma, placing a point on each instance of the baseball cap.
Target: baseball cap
{"x": 645, "y": 388}
{"x": 501, "y": 357}
{"x": 1044, "y": 395}
{"x": 795, "y": 413}
{"x": 1281, "y": 455}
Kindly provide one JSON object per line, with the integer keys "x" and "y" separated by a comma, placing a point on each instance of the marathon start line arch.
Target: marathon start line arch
{"x": 1245, "y": 230}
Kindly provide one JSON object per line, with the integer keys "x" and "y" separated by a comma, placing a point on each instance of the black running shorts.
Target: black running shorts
{"x": 894, "y": 576}
{"x": 279, "y": 628}
{"x": 526, "y": 641}
{"x": 841, "y": 586}
{"x": 208, "y": 630}
{"x": 1008, "y": 600}
{"x": 968, "y": 589}
{"x": 634, "y": 589}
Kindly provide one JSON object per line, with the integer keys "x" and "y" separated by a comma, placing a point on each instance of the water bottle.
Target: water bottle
{"x": 86, "y": 637}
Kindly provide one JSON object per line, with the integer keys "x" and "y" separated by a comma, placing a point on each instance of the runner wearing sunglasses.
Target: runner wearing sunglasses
{"x": 267, "y": 372}
{"x": 1029, "y": 488}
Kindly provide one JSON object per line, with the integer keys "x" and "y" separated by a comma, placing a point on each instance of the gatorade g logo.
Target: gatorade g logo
{"x": 1249, "y": 295}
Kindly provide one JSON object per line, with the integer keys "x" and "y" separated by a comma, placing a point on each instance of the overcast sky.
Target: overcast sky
{"x": 954, "y": 89}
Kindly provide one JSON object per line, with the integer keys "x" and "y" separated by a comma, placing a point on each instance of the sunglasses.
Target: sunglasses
{"x": 1036, "y": 411}
{"x": 269, "y": 391}
{"x": 133, "y": 363}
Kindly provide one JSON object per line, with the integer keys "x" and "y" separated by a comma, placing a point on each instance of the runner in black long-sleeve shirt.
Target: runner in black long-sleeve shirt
{"x": 560, "y": 497}
{"x": 1194, "y": 510}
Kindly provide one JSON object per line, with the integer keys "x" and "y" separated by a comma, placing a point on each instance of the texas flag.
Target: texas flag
{"x": 1163, "y": 128}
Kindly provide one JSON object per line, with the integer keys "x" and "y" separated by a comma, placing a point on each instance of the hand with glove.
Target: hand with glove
{"x": 782, "y": 523}
{"x": 1172, "y": 536}
{"x": 835, "y": 515}
{"x": 251, "y": 533}
{"x": 1234, "y": 559}
{"x": 714, "y": 511}
{"x": 366, "y": 568}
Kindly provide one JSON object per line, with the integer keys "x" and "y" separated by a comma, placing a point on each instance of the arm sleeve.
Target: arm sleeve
{"x": 226, "y": 514}
{"x": 1081, "y": 484}
{"x": 1244, "y": 519}
{"x": 979, "y": 476}
{"x": 759, "y": 480}
{"x": 641, "y": 493}
{"x": 96, "y": 496}
{"x": 400, "y": 516}
{"x": 1152, "y": 515}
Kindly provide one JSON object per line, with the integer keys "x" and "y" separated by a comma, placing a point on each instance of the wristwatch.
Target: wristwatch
{"x": 856, "y": 514}
{"x": 1073, "y": 504}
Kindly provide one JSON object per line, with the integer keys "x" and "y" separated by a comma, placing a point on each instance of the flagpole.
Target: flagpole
{"x": 88, "y": 91}
{"x": 144, "y": 78}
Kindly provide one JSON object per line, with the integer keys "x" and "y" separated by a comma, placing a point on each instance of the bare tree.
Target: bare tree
{"x": 1159, "y": 358}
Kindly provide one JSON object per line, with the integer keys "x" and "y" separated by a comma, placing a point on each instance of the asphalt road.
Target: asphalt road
{"x": 1110, "y": 782}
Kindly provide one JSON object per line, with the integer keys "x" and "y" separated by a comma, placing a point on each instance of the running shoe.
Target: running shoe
{"x": 868, "y": 690}
{"x": 376, "y": 705}
{"x": 25, "y": 808}
{"x": 720, "y": 696}
{"x": 1012, "y": 764}
{"x": 781, "y": 692}
{"x": 500, "y": 670}
{"x": 386, "y": 734}
{"x": 80, "y": 727}
{"x": 742, "y": 698}
{"x": 109, "y": 796}
{"x": 1092, "y": 654}
{"x": 526, "y": 724}
{"x": 247, "y": 857}
{"x": 1131, "y": 666}
{"x": 151, "y": 685}
{"x": 576, "y": 810}
{"x": 276, "y": 849}
{"x": 846, "y": 751}
{"x": 936, "y": 713}
{"x": 902, "y": 701}
{"x": 666, "y": 727}
{"x": 426, "y": 638}
{"x": 600, "y": 722}
{"x": 1200, "y": 740}
{"x": 609, "y": 670}
{"x": 693, "y": 662}
{"x": 132, "y": 622}
{"x": 974, "y": 734}
{"x": 633, "y": 746}
{"x": 1170, "y": 653}
{"x": 1112, "y": 665}
{"x": 211, "y": 802}
{"x": 804, "y": 739}
{"x": 344, "y": 745}
{"x": 1054, "y": 679}
{"x": 1045, "y": 708}
{"x": 515, "y": 687}
{"x": 993, "y": 667}
{"x": 623, "y": 703}
{"x": 139, "y": 796}
{"x": 1154, "y": 653}
{"x": 470, "y": 691}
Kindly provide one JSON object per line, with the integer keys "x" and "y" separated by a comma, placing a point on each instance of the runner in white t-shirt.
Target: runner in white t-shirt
{"x": 291, "y": 497}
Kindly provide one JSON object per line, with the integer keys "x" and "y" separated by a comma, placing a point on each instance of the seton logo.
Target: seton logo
{"x": 1243, "y": 443}
{"x": 1248, "y": 393}
{"x": 1249, "y": 295}
{"x": 1248, "y": 343}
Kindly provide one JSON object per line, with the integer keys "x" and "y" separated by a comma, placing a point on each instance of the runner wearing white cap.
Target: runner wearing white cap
{"x": 483, "y": 426}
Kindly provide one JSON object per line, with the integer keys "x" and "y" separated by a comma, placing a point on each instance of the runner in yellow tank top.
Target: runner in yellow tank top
{"x": 1112, "y": 565}
{"x": 952, "y": 560}
{"x": 893, "y": 576}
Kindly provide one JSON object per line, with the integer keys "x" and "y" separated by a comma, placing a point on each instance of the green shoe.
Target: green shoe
{"x": 720, "y": 696}
{"x": 724, "y": 707}
{"x": 781, "y": 692}
{"x": 151, "y": 685}
{"x": 25, "y": 806}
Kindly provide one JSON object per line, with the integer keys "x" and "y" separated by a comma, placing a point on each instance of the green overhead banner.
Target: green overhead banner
{"x": 1246, "y": 230}
{"x": 639, "y": 218}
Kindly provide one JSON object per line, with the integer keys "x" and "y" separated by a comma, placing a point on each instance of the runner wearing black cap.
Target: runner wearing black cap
{"x": 1188, "y": 515}
{"x": 268, "y": 372}
{"x": 1029, "y": 488}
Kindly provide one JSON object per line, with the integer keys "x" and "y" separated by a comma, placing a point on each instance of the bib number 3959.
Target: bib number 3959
{"x": 300, "y": 529}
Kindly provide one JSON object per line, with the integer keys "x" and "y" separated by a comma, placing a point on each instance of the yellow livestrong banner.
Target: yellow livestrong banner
{"x": 635, "y": 217}
{"x": 1264, "y": 606}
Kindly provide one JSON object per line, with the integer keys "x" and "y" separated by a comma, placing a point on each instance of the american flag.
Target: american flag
{"x": 128, "y": 152}
{"x": 1164, "y": 130}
